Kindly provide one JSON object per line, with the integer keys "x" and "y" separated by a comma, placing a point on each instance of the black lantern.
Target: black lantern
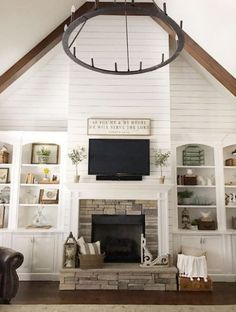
{"x": 70, "y": 252}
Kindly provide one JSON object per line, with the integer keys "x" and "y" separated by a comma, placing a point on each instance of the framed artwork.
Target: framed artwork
{"x": 48, "y": 196}
{"x": 43, "y": 153}
{"x": 4, "y": 172}
{"x": 2, "y": 215}
{"x": 119, "y": 126}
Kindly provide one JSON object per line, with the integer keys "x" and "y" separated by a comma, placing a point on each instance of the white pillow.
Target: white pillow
{"x": 80, "y": 240}
{"x": 191, "y": 251}
{"x": 90, "y": 248}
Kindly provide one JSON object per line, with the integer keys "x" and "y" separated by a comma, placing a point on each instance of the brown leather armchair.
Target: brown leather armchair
{"x": 10, "y": 260}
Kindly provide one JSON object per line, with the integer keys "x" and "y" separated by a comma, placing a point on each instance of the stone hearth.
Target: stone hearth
{"x": 120, "y": 276}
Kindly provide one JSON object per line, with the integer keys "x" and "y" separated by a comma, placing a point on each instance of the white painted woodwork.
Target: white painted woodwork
{"x": 125, "y": 190}
{"x": 234, "y": 253}
{"x": 213, "y": 246}
{"x": 24, "y": 244}
{"x": 38, "y": 251}
{"x": 198, "y": 111}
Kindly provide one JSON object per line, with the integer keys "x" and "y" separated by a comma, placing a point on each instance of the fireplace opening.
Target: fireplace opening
{"x": 120, "y": 236}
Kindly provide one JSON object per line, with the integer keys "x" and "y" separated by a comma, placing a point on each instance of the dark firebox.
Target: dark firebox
{"x": 120, "y": 236}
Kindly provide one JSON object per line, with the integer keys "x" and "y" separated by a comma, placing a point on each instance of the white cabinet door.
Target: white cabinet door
{"x": 214, "y": 248}
{"x": 234, "y": 252}
{"x": 23, "y": 244}
{"x": 43, "y": 254}
{"x": 38, "y": 251}
{"x": 212, "y": 245}
{"x": 191, "y": 241}
{"x": 5, "y": 240}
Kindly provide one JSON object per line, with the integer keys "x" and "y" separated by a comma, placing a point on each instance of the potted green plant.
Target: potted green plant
{"x": 184, "y": 197}
{"x": 160, "y": 160}
{"x": 194, "y": 225}
{"x": 77, "y": 156}
{"x": 43, "y": 155}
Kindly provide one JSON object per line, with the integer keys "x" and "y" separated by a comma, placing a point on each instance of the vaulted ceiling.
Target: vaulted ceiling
{"x": 33, "y": 21}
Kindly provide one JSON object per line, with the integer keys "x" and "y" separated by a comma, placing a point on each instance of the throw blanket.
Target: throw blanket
{"x": 190, "y": 266}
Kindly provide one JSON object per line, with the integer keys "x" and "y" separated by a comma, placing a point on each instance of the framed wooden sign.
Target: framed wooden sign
{"x": 117, "y": 126}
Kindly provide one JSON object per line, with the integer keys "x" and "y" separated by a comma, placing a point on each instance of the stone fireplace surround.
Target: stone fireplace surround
{"x": 121, "y": 198}
{"x": 148, "y": 208}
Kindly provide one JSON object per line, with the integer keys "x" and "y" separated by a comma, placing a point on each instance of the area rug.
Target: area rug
{"x": 117, "y": 308}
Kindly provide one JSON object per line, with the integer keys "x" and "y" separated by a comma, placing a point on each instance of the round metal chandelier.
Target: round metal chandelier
{"x": 127, "y": 8}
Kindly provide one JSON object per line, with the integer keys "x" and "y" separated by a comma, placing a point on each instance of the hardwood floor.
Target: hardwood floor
{"x": 48, "y": 293}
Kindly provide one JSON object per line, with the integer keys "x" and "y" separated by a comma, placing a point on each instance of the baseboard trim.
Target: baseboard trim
{"x": 38, "y": 276}
{"x": 223, "y": 277}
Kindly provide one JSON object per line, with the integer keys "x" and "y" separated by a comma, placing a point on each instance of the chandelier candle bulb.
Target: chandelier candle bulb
{"x": 74, "y": 51}
{"x": 72, "y": 18}
{"x": 181, "y": 24}
{"x": 162, "y": 57}
{"x": 115, "y": 66}
{"x": 65, "y": 27}
{"x": 92, "y": 62}
{"x": 140, "y": 65}
{"x": 164, "y": 8}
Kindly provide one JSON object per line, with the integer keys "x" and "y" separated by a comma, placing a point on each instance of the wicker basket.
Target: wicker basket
{"x": 4, "y": 157}
{"x": 91, "y": 261}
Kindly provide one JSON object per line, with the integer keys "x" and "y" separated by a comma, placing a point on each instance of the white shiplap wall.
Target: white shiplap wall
{"x": 198, "y": 110}
{"x": 39, "y": 99}
{"x": 139, "y": 96}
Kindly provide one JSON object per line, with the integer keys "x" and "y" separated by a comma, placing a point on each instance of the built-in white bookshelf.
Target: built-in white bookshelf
{"x": 195, "y": 184}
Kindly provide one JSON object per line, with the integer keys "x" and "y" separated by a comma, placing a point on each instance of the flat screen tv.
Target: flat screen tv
{"x": 119, "y": 159}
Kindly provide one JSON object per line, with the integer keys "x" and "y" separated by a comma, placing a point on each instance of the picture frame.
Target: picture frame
{"x": 2, "y": 215}
{"x": 119, "y": 126}
{"x": 37, "y": 157}
{"x": 4, "y": 173}
{"x": 48, "y": 196}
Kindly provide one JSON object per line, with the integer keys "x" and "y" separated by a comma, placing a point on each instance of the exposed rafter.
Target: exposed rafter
{"x": 205, "y": 59}
{"x": 199, "y": 54}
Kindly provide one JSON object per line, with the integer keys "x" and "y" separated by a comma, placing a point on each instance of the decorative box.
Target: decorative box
{"x": 193, "y": 155}
{"x": 206, "y": 225}
{"x": 4, "y": 157}
{"x": 91, "y": 261}
{"x": 190, "y": 180}
{"x": 229, "y": 162}
{"x": 185, "y": 284}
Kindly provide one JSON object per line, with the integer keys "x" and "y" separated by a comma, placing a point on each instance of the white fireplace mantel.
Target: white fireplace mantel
{"x": 124, "y": 190}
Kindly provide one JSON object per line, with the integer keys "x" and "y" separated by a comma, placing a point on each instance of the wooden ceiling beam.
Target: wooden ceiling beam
{"x": 50, "y": 42}
{"x": 203, "y": 58}
{"x": 38, "y": 51}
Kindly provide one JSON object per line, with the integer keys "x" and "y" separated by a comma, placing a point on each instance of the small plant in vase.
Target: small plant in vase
{"x": 43, "y": 155}
{"x": 160, "y": 160}
{"x": 77, "y": 156}
{"x": 46, "y": 172}
{"x": 184, "y": 197}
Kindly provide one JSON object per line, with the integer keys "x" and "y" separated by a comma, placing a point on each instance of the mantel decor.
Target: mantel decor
{"x": 115, "y": 126}
{"x": 72, "y": 32}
